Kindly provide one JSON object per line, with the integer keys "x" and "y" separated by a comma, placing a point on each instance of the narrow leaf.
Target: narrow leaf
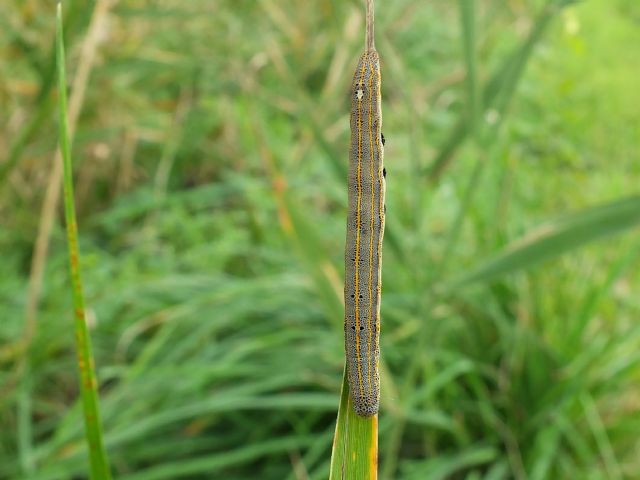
{"x": 88, "y": 383}
{"x": 355, "y": 444}
{"x": 557, "y": 237}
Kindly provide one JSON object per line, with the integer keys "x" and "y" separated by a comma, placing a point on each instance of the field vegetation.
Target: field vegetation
{"x": 210, "y": 152}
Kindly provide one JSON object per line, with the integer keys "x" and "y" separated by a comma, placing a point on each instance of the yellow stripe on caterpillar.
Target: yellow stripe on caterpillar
{"x": 365, "y": 229}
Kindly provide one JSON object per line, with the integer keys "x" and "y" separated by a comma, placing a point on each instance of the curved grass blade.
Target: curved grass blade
{"x": 355, "y": 444}
{"x": 556, "y": 237}
{"x": 93, "y": 428}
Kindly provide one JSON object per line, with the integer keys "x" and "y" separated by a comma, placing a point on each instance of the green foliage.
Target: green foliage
{"x": 354, "y": 453}
{"x": 210, "y": 158}
{"x": 86, "y": 369}
{"x": 557, "y": 237}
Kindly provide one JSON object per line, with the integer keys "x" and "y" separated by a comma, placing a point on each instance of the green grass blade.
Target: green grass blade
{"x": 467, "y": 21}
{"x": 500, "y": 88}
{"x": 24, "y": 418}
{"x": 355, "y": 445}
{"x": 34, "y": 125}
{"x": 88, "y": 383}
{"x": 207, "y": 465}
{"x": 557, "y": 237}
{"x": 598, "y": 292}
{"x": 449, "y": 466}
{"x": 602, "y": 439}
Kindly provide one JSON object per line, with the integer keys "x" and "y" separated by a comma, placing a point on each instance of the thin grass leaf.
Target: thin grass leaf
{"x": 45, "y": 68}
{"x": 598, "y": 292}
{"x": 444, "y": 467}
{"x": 33, "y": 126}
{"x": 355, "y": 443}
{"x": 88, "y": 383}
{"x": 500, "y": 88}
{"x": 557, "y": 237}
{"x": 602, "y": 439}
{"x": 206, "y": 465}
{"x": 499, "y": 471}
{"x": 467, "y": 21}
{"x": 25, "y": 430}
{"x": 546, "y": 447}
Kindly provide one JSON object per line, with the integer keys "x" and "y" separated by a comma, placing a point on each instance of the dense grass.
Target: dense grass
{"x": 210, "y": 156}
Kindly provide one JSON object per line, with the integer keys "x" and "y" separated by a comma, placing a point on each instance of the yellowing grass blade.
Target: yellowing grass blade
{"x": 354, "y": 454}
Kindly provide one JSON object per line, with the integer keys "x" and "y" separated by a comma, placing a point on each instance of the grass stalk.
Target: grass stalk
{"x": 467, "y": 21}
{"x": 88, "y": 384}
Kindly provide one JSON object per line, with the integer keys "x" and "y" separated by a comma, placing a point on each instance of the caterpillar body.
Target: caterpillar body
{"x": 365, "y": 229}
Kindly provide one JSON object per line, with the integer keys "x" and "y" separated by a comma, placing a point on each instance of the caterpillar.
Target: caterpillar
{"x": 365, "y": 230}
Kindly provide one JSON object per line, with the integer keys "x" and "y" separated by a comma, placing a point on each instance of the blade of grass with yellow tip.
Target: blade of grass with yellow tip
{"x": 88, "y": 383}
{"x": 355, "y": 444}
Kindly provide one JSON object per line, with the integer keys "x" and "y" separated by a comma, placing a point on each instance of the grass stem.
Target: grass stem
{"x": 88, "y": 383}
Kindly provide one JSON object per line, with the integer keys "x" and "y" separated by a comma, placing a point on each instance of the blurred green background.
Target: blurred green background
{"x": 210, "y": 153}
